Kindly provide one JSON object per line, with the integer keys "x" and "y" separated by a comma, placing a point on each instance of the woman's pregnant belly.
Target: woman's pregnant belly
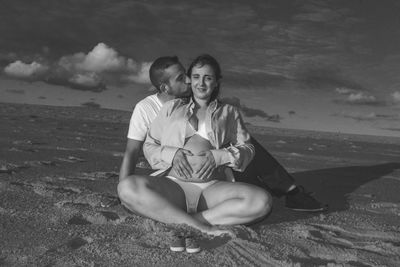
{"x": 196, "y": 144}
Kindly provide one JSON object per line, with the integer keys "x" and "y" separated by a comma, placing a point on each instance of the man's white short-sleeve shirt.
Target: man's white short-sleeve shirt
{"x": 143, "y": 115}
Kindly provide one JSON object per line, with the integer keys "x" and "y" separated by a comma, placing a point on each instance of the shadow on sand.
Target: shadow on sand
{"x": 332, "y": 186}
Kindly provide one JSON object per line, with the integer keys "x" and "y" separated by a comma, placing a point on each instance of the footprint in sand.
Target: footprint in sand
{"x": 10, "y": 168}
{"x": 48, "y": 189}
{"x": 93, "y": 200}
{"x": 32, "y": 150}
{"x": 389, "y": 208}
{"x": 22, "y": 142}
{"x": 239, "y": 252}
{"x": 37, "y": 163}
{"x": 3, "y": 185}
{"x": 395, "y": 175}
{"x": 3, "y": 259}
{"x": 78, "y": 220}
{"x": 97, "y": 217}
{"x": 55, "y": 256}
{"x": 384, "y": 208}
{"x": 353, "y": 246}
{"x": 96, "y": 176}
{"x": 72, "y": 244}
{"x": 76, "y": 243}
{"x": 70, "y": 159}
{"x": 13, "y": 168}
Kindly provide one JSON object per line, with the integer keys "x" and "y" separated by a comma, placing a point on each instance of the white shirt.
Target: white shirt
{"x": 143, "y": 115}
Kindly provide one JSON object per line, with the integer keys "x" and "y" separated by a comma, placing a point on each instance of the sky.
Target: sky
{"x": 316, "y": 65}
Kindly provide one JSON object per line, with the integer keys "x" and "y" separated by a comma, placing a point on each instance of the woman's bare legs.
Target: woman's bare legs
{"x": 227, "y": 203}
{"x": 160, "y": 199}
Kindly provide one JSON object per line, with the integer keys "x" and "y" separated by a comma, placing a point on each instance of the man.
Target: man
{"x": 169, "y": 77}
{"x": 147, "y": 109}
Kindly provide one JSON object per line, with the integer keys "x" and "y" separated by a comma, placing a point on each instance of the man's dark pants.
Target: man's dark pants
{"x": 265, "y": 171}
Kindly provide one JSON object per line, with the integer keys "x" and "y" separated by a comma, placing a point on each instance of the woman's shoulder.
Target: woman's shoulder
{"x": 227, "y": 106}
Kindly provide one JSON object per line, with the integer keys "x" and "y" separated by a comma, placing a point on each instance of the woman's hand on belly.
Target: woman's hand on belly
{"x": 201, "y": 161}
{"x": 205, "y": 166}
{"x": 181, "y": 165}
{"x": 202, "y": 164}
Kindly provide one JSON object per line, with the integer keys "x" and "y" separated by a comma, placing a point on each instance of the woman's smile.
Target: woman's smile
{"x": 203, "y": 82}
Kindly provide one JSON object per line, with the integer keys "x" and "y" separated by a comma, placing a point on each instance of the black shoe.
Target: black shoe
{"x": 300, "y": 200}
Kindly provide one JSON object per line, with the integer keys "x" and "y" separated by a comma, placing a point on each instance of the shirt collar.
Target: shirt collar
{"x": 212, "y": 106}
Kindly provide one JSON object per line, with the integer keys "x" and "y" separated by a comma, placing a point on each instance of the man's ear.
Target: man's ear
{"x": 164, "y": 88}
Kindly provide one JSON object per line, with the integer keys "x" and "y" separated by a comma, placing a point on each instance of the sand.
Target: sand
{"x": 59, "y": 166}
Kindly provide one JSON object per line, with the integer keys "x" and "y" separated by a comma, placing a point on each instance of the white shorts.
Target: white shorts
{"x": 192, "y": 192}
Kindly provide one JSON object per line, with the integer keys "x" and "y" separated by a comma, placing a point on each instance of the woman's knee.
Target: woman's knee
{"x": 130, "y": 188}
{"x": 260, "y": 203}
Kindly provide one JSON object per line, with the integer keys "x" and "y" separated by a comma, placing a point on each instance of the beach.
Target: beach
{"x": 59, "y": 172}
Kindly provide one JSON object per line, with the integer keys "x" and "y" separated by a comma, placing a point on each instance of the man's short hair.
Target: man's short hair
{"x": 157, "y": 74}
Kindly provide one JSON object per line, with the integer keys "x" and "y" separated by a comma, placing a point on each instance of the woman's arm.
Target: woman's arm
{"x": 240, "y": 151}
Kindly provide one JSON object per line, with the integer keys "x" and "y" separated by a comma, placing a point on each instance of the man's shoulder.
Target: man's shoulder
{"x": 151, "y": 99}
{"x": 149, "y": 103}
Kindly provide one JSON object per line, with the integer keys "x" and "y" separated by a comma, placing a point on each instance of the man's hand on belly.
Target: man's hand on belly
{"x": 208, "y": 165}
{"x": 180, "y": 163}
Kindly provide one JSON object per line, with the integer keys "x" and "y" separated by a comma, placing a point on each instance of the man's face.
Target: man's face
{"x": 178, "y": 83}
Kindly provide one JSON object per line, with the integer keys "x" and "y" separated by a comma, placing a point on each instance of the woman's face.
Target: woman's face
{"x": 203, "y": 81}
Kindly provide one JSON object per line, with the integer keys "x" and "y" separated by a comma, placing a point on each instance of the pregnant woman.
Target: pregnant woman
{"x": 195, "y": 143}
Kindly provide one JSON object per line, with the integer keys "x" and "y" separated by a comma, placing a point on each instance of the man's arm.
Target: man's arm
{"x": 162, "y": 156}
{"x": 133, "y": 148}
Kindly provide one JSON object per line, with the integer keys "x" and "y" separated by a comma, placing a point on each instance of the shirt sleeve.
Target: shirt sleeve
{"x": 138, "y": 125}
{"x": 159, "y": 156}
{"x": 240, "y": 151}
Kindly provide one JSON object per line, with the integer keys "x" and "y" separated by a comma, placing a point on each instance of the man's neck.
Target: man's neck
{"x": 164, "y": 97}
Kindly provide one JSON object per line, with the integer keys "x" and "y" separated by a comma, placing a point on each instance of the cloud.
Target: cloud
{"x": 19, "y": 69}
{"x": 251, "y": 112}
{"x": 357, "y": 97}
{"x": 372, "y": 116}
{"x": 345, "y": 91}
{"x": 361, "y": 98}
{"x": 142, "y": 74}
{"x": 102, "y": 58}
{"x": 396, "y": 97}
{"x": 92, "y": 71}
{"x": 107, "y": 64}
{"x": 90, "y": 79}
{"x": 87, "y": 81}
